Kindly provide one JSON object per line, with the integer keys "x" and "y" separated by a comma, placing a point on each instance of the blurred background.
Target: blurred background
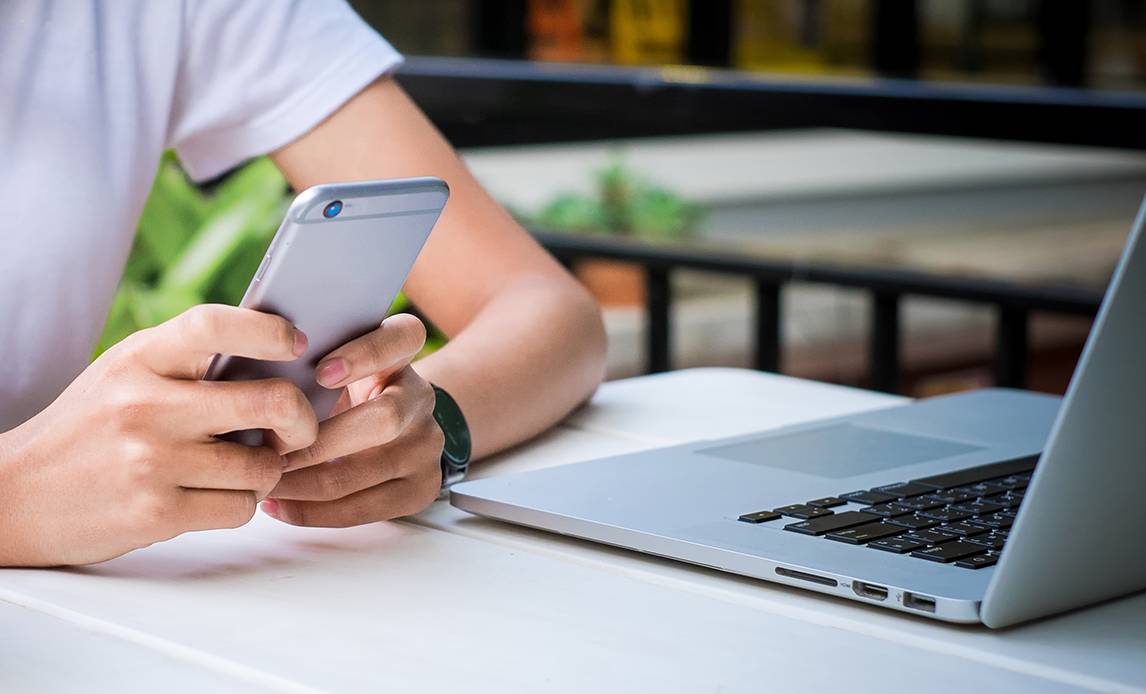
{"x": 917, "y": 196}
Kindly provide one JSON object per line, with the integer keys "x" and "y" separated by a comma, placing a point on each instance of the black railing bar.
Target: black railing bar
{"x": 649, "y": 79}
{"x": 1011, "y": 347}
{"x": 658, "y": 309}
{"x": 1050, "y": 298}
{"x": 768, "y": 339}
{"x": 883, "y": 353}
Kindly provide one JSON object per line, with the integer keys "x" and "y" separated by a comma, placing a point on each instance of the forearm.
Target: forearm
{"x": 532, "y": 353}
{"x": 526, "y": 340}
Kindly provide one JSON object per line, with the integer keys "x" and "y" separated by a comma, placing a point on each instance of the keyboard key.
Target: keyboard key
{"x": 889, "y": 510}
{"x": 979, "y": 561}
{"x": 1015, "y": 481}
{"x": 865, "y": 533}
{"x": 959, "y": 478}
{"x": 923, "y": 503}
{"x": 949, "y": 551}
{"x": 913, "y": 522}
{"x": 802, "y": 511}
{"x": 934, "y": 536}
{"x": 945, "y": 515}
{"x": 964, "y": 529}
{"x": 868, "y": 497}
{"x": 1009, "y": 500}
{"x": 990, "y": 541}
{"x": 978, "y": 508}
{"x": 905, "y": 490}
{"x": 838, "y": 521}
{"x": 759, "y": 517}
{"x": 951, "y": 496}
{"x": 995, "y": 522}
{"x": 898, "y": 545}
{"x": 983, "y": 489}
{"x": 827, "y": 502}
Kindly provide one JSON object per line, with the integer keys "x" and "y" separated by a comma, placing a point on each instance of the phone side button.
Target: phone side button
{"x": 262, "y": 267}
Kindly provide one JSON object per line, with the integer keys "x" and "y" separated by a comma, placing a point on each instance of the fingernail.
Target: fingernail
{"x": 270, "y": 507}
{"x": 375, "y": 394}
{"x": 331, "y": 373}
{"x": 300, "y": 343}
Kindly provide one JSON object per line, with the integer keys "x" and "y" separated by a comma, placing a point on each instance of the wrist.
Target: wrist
{"x": 456, "y": 448}
{"x": 10, "y": 498}
{"x": 19, "y": 544}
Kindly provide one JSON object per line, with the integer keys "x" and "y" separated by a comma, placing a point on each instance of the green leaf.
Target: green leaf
{"x": 150, "y": 306}
{"x": 571, "y": 212}
{"x": 120, "y": 322}
{"x": 260, "y": 182}
{"x": 400, "y": 304}
{"x": 172, "y": 213}
{"x": 206, "y": 255}
{"x": 236, "y": 272}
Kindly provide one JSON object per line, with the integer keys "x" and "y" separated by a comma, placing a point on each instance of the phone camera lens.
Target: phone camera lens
{"x": 331, "y": 210}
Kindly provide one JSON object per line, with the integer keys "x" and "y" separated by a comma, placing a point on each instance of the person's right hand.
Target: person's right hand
{"x": 127, "y": 455}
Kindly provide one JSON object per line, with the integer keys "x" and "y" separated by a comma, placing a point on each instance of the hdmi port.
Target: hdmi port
{"x": 869, "y": 591}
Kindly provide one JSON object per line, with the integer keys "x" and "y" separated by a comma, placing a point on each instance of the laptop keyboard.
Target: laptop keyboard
{"x": 959, "y": 518}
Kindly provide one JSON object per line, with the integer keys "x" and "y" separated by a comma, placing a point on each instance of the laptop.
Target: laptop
{"x": 995, "y": 506}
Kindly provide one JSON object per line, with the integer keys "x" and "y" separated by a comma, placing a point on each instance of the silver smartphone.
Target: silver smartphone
{"x": 333, "y": 269}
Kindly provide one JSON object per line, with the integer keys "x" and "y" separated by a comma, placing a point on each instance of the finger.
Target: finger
{"x": 386, "y": 349}
{"x": 400, "y": 497}
{"x": 208, "y": 509}
{"x": 418, "y": 450}
{"x": 183, "y": 346}
{"x": 375, "y": 422}
{"x": 212, "y": 408}
{"x": 233, "y": 466}
{"x": 341, "y": 477}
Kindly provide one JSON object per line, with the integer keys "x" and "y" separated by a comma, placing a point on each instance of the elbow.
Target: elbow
{"x": 591, "y": 345}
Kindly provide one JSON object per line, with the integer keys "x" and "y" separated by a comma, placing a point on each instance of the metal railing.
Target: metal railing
{"x": 1012, "y": 303}
{"x": 478, "y": 103}
{"x": 495, "y": 102}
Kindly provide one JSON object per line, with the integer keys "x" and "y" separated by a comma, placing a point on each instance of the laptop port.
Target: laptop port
{"x": 869, "y": 591}
{"x": 813, "y": 578}
{"x": 918, "y": 602}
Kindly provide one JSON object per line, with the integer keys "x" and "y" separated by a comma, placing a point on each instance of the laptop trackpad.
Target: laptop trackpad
{"x": 840, "y": 450}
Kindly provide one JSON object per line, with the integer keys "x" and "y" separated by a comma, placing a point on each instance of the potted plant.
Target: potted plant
{"x": 624, "y": 205}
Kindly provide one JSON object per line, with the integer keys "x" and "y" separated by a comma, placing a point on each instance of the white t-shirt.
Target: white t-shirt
{"x": 91, "y": 93}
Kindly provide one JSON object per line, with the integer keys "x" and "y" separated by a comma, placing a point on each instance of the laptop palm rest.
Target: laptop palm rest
{"x": 840, "y": 450}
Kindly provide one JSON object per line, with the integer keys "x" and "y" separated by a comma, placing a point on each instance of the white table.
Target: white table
{"x": 449, "y": 602}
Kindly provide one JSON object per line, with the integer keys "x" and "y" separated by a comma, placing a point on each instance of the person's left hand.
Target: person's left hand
{"x": 378, "y": 456}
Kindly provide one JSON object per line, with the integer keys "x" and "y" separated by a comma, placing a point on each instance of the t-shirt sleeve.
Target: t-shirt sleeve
{"x": 255, "y": 75}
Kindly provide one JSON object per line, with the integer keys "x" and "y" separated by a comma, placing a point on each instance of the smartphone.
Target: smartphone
{"x": 333, "y": 269}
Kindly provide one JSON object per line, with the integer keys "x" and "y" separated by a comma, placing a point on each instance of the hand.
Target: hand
{"x": 378, "y": 457}
{"x": 127, "y": 455}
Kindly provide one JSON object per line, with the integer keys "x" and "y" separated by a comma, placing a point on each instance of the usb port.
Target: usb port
{"x": 919, "y": 602}
{"x": 869, "y": 591}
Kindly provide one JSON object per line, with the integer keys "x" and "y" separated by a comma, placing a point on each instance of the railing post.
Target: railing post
{"x": 1011, "y": 344}
{"x": 768, "y": 331}
{"x": 884, "y": 346}
{"x": 658, "y": 310}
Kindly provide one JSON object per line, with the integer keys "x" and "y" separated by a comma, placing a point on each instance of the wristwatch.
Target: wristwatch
{"x": 456, "y": 451}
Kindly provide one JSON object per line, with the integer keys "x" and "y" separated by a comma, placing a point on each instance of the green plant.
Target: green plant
{"x": 623, "y": 204}
{"x": 195, "y": 246}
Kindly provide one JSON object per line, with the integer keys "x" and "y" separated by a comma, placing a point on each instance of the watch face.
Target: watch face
{"x": 457, "y": 434}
